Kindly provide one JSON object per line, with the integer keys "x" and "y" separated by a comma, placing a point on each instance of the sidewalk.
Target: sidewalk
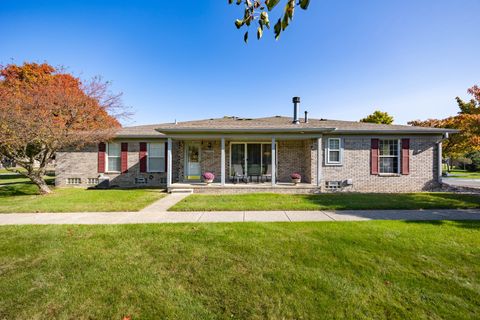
{"x": 234, "y": 216}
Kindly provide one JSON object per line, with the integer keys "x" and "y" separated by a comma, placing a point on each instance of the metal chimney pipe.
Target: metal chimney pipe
{"x": 296, "y": 102}
{"x": 306, "y": 116}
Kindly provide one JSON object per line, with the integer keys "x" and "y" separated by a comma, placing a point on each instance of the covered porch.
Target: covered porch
{"x": 244, "y": 163}
{"x": 227, "y": 188}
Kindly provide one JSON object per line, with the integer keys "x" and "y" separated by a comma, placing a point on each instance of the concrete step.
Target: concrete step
{"x": 189, "y": 191}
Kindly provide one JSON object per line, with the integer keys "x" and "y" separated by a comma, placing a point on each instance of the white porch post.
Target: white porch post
{"x": 169, "y": 163}
{"x": 440, "y": 163}
{"x": 274, "y": 162}
{"x": 222, "y": 171}
{"x": 319, "y": 161}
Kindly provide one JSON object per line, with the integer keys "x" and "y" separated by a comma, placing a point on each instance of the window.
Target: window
{"x": 73, "y": 181}
{"x": 113, "y": 157}
{"x": 389, "y": 151}
{"x": 334, "y": 151}
{"x": 156, "y": 157}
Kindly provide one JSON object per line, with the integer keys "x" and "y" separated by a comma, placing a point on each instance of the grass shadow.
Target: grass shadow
{"x": 466, "y": 224}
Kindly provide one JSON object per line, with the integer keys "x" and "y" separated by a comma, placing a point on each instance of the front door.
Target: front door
{"x": 192, "y": 166}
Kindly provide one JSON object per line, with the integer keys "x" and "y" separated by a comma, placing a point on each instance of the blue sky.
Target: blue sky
{"x": 185, "y": 59}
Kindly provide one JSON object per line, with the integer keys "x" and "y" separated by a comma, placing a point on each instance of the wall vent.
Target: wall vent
{"x": 333, "y": 185}
{"x": 74, "y": 181}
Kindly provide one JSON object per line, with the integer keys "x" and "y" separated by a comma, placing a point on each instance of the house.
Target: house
{"x": 259, "y": 155}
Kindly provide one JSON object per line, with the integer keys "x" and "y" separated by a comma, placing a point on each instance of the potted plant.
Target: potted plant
{"x": 208, "y": 177}
{"x": 296, "y": 177}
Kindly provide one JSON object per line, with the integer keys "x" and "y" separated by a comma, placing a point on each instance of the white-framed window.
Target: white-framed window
{"x": 389, "y": 156}
{"x": 113, "y": 157}
{"x": 156, "y": 157}
{"x": 334, "y": 151}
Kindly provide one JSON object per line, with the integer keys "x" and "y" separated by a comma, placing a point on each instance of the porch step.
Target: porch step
{"x": 177, "y": 190}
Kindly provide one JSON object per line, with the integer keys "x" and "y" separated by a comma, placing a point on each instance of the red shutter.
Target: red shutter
{"x": 166, "y": 152}
{"x": 102, "y": 147}
{"x": 374, "y": 157}
{"x": 143, "y": 157}
{"x": 124, "y": 158}
{"x": 405, "y": 156}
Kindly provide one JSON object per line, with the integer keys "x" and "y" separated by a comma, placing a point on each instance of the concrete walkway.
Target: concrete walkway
{"x": 233, "y": 216}
{"x": 166, "y": 202}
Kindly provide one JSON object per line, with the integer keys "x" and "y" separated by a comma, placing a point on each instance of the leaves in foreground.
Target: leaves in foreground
{"x": 256, "y": 11}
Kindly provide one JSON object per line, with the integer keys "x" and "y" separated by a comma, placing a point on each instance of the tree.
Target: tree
{"x": 378, "y": 117}
{"x": 257, "y": 11}
{"x": 472, "y": 106}
{"x": 44, "y": 110}
{"x": 467, "y": 121}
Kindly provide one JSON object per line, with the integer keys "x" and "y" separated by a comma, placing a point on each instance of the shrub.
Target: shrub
{"x": 475, "y": 161}
{"x": 295, "y": 176}
{"x": 208, "y": 176}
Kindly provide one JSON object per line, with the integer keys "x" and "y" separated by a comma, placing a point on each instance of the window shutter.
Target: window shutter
{"x": 374, "y": 157}
{"x": 405, "y": 156}
{"x": 124, "y": 157}
{"x": 143, "y": 157}
{"x": 102, "y": 147}
{"x": 166, "y": 155}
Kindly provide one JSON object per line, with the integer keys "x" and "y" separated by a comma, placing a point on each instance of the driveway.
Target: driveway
{"x": 462, "y": 182}
{"x": 234, "y": 216}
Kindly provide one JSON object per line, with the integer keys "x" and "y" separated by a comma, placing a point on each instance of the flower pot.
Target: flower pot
{"x": 296, "y": 181}
{"x": 208, "y": 181}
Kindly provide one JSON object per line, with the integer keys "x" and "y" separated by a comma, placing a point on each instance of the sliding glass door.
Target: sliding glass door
{"x": 250, "y": 159}
{"x": 254, "y": 159}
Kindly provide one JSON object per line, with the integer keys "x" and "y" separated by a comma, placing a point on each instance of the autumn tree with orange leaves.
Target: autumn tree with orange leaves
{"x": 44, "y": 109}
{"x": 467, "y": 121}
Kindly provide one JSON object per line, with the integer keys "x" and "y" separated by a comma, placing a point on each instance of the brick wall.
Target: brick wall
{"x": 356, "y": 166}
{"x": 83, "y": 164}
{"x": 293, "y": 156}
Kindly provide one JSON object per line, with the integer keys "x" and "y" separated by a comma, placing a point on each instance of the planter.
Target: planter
{"x": 208, "y": 177}
{"x": 296, "y": 181}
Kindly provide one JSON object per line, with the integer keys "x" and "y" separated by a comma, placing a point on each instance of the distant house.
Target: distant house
{"x": 260, "y": 155}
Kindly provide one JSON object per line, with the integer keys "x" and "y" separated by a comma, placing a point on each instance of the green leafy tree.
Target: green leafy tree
{"x": 256, "y": 12}
{"x": 378, "y": 117}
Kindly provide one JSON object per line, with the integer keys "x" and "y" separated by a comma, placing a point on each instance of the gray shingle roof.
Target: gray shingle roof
{"x": 273, "y": 124}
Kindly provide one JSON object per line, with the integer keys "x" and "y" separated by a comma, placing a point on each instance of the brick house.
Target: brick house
{"x": 249, "y": 155}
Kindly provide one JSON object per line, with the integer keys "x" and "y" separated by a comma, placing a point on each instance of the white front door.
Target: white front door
{"x": 192, "y": 166}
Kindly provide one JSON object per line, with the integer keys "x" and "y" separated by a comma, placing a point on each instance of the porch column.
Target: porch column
{"x": 319, "y": 161}
{"x": 222, "y": 170}
{"x": 440, "y": 163}
{"x": 169, "y": 163}
{"x": 274, "y": 162}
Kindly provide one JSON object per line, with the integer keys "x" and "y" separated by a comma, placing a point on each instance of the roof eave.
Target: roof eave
{"x": 244, "y": 130}
{"x": 396, "y": 131}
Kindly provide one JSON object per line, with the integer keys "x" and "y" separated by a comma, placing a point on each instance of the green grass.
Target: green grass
{"x": 458, "y": 173}
{"x": 331, "y": 270}
{"x": 19, "y": 195}
{"x": 331, "y": 201}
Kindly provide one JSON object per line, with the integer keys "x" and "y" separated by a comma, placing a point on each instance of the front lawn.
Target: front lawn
{"x": 353, "y": 270}
{"x": 328, "y": 201}
{"x": 19, "y": 195}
